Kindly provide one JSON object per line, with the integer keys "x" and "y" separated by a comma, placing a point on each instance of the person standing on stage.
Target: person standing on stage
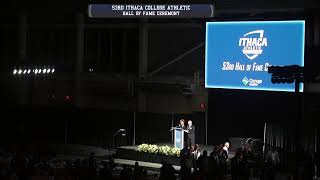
{"x": 225, "y": 150}
{"x": 181, "y": 125}
{"x": 197, "y": 151}
{"x": 191, "y": 133}
{"x": 224, "y": 159}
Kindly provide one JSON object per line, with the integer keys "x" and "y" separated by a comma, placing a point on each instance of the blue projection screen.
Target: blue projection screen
{"x": 238, "y": 54}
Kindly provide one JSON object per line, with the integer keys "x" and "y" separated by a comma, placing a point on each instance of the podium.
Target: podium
{"x": 178, "y": 137}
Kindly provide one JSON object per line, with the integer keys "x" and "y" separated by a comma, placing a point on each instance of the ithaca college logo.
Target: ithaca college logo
{"x": 252, "y": 43}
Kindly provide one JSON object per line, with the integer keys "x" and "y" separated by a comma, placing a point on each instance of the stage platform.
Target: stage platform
{"x": 146, "y": 165}
{"x": 132, "y": 153}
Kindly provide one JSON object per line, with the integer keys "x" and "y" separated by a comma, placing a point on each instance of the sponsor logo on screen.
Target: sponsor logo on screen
{"x": 251, "y": 82}
{"x": 252, "y": 43}
{"x": 245, "y": 81}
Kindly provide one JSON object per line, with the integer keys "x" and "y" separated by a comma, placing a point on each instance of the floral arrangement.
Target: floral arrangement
{"x": 154, "y": 149}
{"x": 175, "y": 151}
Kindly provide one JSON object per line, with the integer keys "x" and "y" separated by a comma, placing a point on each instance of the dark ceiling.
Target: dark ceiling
{"x": 62, "y": 6}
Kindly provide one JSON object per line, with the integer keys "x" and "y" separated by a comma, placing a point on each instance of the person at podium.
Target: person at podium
{"x": 183, "y": 127}
{"x": 181, "y": 124}
{"x": 191, "y": 133}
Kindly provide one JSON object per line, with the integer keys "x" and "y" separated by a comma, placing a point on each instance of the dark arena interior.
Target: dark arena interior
{"x": 195, "y": 90}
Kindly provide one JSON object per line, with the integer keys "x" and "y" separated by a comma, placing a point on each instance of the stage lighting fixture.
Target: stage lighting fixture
{"x": 286, "y": 74}
{"x": 32, "y": 69}
{"x": 187, "y": 90}
{"x": 123, "y": 132}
